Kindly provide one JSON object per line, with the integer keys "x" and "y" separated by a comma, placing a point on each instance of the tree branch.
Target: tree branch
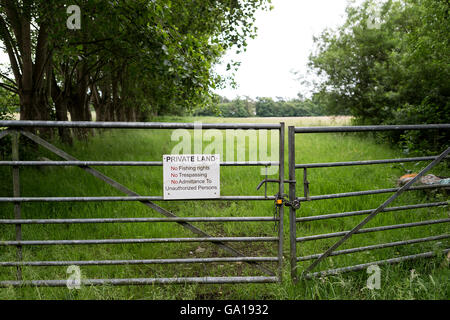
{"x": 4, "y": 33}
{"x": 8, "y": 78}
{"x": 41, "y": 55}
{"x": 9, "y": 88}
{"x": 14, "y": 19}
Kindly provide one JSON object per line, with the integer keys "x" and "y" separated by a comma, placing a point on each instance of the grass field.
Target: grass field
{"x": 419, "y": 279}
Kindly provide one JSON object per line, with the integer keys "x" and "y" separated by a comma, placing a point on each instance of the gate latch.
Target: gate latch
{"x": 295, "y": 204}
{"x": 276, "y": 215}
{"x": 281, "y": 200}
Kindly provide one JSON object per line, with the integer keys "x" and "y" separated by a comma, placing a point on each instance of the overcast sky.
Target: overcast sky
{"x": 283, "y": 45}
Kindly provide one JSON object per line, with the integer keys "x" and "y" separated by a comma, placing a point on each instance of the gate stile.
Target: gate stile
{"x": 15, "y": 128}
{"x": 296, "y": 201}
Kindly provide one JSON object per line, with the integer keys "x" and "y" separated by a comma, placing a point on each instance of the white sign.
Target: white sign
{"x": 192, "y": 176}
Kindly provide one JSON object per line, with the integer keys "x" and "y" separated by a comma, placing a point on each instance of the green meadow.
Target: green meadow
{"x": 416, "y": 279}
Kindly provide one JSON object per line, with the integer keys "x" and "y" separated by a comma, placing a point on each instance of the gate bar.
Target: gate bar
{"x": 368, "y": 128}
{"x": 214, "y": 240}
{"x": 363, "y": 266}
{"x": 124, "y": 163}
{"x": 374, "y": 229}
{"x": 136, "y": 262}
{"x": 377, "y": 246}
{"x": 139, "y": 281}
{"x": 361, "y": 163}
{"x": 130, "y": 198}
{"x": 135, "y": 125}
{"x": 362, "y": 212}
{"x": 368, "y": 192}
{"x": 379, "y": 209}
{"x": 136, "y": 220}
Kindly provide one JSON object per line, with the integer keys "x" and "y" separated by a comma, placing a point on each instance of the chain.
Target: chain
{"x": 276, "y": 215}
{"x": 294, "y": 204}
{"x": 279, "y": 202}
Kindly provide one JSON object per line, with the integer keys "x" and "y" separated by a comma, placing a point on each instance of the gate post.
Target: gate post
{"x": 16, "y": 193}
{"x": 281, "y": 192}
{"x": 292, "y": 210}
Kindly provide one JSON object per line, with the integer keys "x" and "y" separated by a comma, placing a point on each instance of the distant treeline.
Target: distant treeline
{"x": 262, "y": 107}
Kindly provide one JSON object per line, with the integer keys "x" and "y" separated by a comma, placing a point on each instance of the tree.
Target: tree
{"x": 28, "y": 52}
{"x": 396, "y": 72}
{"x": 129, "y": 58}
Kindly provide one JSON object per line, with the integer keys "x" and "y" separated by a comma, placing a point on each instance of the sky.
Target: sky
{"x": 283, "y": 45}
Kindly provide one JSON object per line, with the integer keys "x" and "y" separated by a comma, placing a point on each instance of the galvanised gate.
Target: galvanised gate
{"x": 233, "y": 256}
{"x": 296, "y": 218}
{"x": 281, "y": 199}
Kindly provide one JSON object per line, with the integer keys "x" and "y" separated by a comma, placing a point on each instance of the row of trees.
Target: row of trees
{"x": 263, "y": 107}
{"x": 389, "y": 63}
{"x": 127, "y": 59}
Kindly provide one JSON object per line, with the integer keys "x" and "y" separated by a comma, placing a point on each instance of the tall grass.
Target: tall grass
{"x": 428, "y": 281}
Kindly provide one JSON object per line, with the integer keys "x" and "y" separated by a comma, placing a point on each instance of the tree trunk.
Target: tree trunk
{"x": 77, "y": 113}
{"x": 130, "y": 115}
{"x": 28, "y": 62}
{"x": 61, "y": 111}
{"x": 78, "y": 104}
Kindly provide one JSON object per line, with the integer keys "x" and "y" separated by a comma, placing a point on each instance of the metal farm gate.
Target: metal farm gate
{"x": 333, "y": 218}
{"x": 18, "y": 128}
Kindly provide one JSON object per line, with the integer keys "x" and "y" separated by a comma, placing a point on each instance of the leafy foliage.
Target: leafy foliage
{"x": 263, "y": 107}
{"x": 396, "y": 73}
{"x": 130, "y": 59}
{"x": 9, "y": 104}
{"x": 267, "y": 107}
